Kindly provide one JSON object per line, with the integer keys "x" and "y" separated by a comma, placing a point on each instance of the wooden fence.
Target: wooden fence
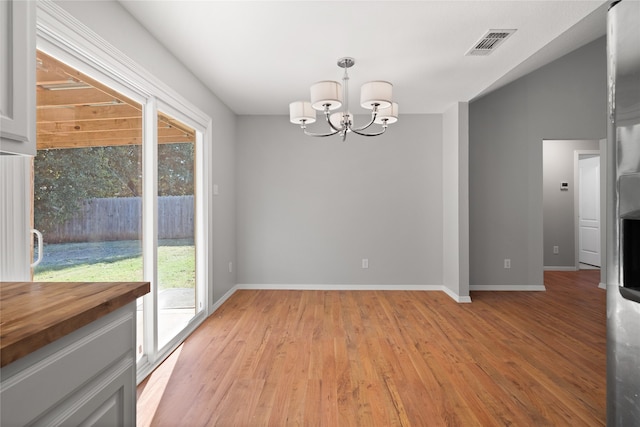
{"x": 119, "y": 218}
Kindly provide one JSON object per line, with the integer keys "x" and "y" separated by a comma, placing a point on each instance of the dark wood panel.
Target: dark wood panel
{"x": 328, "y": 358}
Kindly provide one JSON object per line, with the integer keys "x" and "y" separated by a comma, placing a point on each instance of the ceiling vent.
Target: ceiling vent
{"x": 489, "y": 42}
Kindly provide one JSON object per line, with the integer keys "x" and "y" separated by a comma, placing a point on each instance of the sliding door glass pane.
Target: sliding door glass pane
{"x": 176, "y": 227}
{"x": 87, "y": 179}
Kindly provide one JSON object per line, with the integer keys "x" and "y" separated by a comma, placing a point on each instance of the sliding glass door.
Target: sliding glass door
{"x": 114, "y": 196}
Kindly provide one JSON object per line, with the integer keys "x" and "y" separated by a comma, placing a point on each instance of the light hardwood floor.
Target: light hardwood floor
{"x": 391, "y": 358}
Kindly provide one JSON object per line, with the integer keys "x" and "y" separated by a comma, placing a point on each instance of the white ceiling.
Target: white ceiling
{"x": 258, "y": 56}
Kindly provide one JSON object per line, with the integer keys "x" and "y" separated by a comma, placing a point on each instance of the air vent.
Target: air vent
{"x": 489, "y": 42}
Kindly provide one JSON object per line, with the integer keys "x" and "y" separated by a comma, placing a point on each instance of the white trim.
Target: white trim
{"x": 224, "y": 297}
{"x": 560, "y": 268}
{"x": 602, "y": 285}
{"x": 525, "y": 288}
{"x": 60, "y": 28}
{"x": 150, "y": 228}
{"x": 201, "y": 232}
{"x": 456, "y": 297}
{"x": 337, "y": 287}
{"x": 56, "y": 27}
{"x": 351, "y": 287}
{"x": 206, "y": 255}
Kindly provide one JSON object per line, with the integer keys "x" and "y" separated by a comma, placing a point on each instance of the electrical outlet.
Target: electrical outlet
{"x": 556, "y": 250}
{"x": 230, "y": 267}
{"x": 507, "y": 263}
{"x": 365, "y": 262}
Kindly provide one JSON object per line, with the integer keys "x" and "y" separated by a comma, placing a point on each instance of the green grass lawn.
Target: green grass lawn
{"x": 176, "y": 268}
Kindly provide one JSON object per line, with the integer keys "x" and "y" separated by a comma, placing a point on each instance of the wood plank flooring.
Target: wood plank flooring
{"x": 391, "y": 358}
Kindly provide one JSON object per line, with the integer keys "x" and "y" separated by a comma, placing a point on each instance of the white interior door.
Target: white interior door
{"x": 589, "y": 210}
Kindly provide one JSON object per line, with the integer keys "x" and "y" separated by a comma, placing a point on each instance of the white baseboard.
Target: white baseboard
{"x": 342, "y": 287}
{"x": 525, "y": 288}
{"x": 217, "y": 304}
{"x": 337, "y": 287}
{"x": 456, "y": 297}
{"x": 602, "y": 285}
{"x": 560, "y": 268}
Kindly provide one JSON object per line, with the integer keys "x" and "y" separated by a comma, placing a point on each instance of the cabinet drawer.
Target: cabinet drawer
{"x": 109, "y": 400}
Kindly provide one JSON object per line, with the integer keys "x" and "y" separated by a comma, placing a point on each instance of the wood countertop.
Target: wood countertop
{"x": 34, "y": 314}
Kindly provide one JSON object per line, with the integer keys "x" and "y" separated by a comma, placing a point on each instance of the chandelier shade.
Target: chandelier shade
{"x": 376, "y": 93}
{"x": 301, "y": 112}
{"x": 329, "y": 95}
{"x": 389, "y": 114}
{"x": 326, "y": 93}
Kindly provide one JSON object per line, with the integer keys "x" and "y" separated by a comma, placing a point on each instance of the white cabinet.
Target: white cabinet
{"x": 85, "y": 378}
{"x": 17, "y": 77}
{"x": 15, "y": 218}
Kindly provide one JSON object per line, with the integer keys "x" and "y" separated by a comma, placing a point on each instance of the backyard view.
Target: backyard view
{"x": 88, "y": 205}
{"x": 117, "y": 260}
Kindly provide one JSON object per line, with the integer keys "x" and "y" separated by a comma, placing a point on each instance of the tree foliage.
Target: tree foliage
{"x": 65, "y": 178}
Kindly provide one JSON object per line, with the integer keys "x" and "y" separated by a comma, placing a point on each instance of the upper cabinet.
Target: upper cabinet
{"x": 17, "y": 77}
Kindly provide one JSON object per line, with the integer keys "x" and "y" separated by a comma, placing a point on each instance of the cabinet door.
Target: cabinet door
{"x": 15, "y": 218}
{"x": 85, "y": 378}
{"x": 17, "y": 77}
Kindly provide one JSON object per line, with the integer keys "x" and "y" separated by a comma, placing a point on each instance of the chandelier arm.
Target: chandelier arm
{"x": 319, "y": 134}
{"x": 374, "y": 114}
{"x": 303, "y": 126}
{"x": 306, "y": 132}
{"x": 384, "y": 128}
{"x": 365, "y": 126}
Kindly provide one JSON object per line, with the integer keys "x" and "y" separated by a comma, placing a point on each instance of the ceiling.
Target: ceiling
{"x": 258, "y": 56}
{"x": 76, "y": 111}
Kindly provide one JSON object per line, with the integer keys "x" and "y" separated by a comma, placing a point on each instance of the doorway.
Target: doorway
{"x": 561, "y": 203}
{"x": 587, "y": 209}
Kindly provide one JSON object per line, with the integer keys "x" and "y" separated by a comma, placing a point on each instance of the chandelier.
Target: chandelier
{"x": 328, "y": 95}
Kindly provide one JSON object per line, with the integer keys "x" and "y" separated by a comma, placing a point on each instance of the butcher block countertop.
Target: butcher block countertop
{"x": 34, "y": 314}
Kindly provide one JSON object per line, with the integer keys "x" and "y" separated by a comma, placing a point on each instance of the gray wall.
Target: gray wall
{"x": 110, "y": 21}
{"x": 310, "y": 209}
{"x": 559, "y": 213}
{"x": 566, "y": 99}
{"x": 308, "y": 212}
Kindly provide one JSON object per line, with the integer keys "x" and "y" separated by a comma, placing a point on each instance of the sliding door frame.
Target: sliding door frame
{"x": 61, "y": 35}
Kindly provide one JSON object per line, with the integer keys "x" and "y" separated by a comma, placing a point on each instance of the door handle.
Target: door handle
{"x": 40, "y": 247}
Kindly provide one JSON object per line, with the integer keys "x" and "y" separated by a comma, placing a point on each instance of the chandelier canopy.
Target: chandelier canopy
{"x": 328, "y": 96}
